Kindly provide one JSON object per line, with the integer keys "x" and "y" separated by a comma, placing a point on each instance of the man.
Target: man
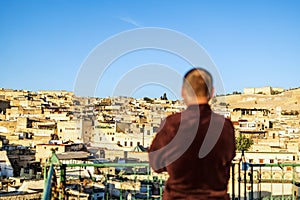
{"x": 196, "y": 146}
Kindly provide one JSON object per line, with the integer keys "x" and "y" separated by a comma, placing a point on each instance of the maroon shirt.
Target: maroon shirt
{"x": 179, "y": 141}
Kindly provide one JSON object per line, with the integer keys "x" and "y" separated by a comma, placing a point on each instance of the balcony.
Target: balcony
{"x": 264, "y": 181}
{"x": 137, "y": 181}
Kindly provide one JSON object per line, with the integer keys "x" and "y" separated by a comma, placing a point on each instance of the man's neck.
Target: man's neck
{"x": 197, "y": 101}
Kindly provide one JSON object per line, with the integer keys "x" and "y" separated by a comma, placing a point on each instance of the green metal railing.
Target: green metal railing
{"x": 248, "y": 181}
{"x": 59, "y": 192}
{"x": 47, "y": 182}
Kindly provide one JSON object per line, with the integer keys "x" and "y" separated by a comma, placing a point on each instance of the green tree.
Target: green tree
{"x": 148, "y": 100}
{"x": 243, "y": 143}
{"x": 164, "y": 97}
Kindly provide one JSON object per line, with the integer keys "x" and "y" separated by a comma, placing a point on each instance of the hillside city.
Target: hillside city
{"x": 36, "y": 127}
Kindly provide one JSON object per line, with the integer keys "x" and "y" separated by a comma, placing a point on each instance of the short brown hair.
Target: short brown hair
{"x": 198, "y": 82}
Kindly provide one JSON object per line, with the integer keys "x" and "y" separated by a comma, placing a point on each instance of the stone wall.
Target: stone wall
{"x": 22, "y": 196}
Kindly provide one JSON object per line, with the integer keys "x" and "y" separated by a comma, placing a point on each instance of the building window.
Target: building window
{"x": 125, "y": 143}
{"x": 148, "y": 132}
{"x": 271, "y": 160}
{"x": 261, "y": 161}
{"x": 112, "y": 139}
{"x": 131, "y": 144}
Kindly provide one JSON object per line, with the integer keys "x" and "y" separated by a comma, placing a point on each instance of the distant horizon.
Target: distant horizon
{"x": 140, "y": 97}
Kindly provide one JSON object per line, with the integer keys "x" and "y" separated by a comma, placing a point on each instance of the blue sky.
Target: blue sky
{"x": 44, "y": 43}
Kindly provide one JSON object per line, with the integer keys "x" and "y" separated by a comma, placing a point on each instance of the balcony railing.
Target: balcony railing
{"x": 264, "y": 181}
{"x": 115, "y": 181}
{"x": 136, "y": 181}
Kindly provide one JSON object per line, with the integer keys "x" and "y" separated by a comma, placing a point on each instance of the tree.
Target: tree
{"x": 148, "y": 100}
{"x": 236, "y": 92}
{"x": 243, "y": 143}
{"x": 164, "y": 97}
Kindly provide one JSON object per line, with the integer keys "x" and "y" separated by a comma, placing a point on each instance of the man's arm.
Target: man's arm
{"x": 156, "y": 160}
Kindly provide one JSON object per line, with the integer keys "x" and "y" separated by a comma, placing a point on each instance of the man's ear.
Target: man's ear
{"x": 182, "y": 93}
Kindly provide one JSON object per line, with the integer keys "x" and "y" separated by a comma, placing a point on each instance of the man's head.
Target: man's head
{"x": 197, "y": 86}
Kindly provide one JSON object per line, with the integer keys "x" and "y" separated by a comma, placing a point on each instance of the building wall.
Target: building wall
{"x": 263, "y": 90}
{"x": 87, "y": 131}
{"x": 13, "y": 112}
{"x": 44, "y": 151}
{"x": 142, "y": 156}
{"x": 10, "y": 125}
{"x": 268, "y": 157}
{"x": 21, "y": 123}
{"x": 69, "y": 130}
{"x": 113, "y": 154}
{"x": 278, "y": 89}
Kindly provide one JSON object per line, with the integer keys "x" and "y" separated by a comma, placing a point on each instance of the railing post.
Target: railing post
{"x": 62, "y": 182}
{"x": 259, "y": 182}
{"x": 282, "y": 182}
{"x": 251, "y": 181}
{"x": 245, "y": 180}
{"x": 148, "y": 188}
{"x": 160, "y": 188}
{"x": 121, "y": 189}
{"x": 47, "y": 186}
{"x": 232, "y": 181}
{"x": 239, "y": 181}
{"x": 271, "y": 198}
{"x": 293, "y": 183}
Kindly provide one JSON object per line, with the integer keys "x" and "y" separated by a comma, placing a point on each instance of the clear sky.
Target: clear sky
{"x": 253, "y": 43}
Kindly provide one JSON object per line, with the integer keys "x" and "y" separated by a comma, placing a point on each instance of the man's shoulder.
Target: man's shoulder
{"x": 174, "y": 117}
{"x": 172, "y": 120}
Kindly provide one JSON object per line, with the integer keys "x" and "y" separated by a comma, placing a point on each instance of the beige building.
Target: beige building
{"x": 44, "y": 151}
{"x": 251, "y": 114}
{"x": 263, "y": 90}
{"x": 9, "y": 125}
{"x": 70, "y": 130}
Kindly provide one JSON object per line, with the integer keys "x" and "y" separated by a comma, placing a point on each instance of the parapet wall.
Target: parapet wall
{"x": 30, "y": 196}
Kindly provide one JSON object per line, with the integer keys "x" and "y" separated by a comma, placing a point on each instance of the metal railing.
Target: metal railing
{"x": 144, "y": 184}
{"x": 248, "y": 181}
{"x": 264, "y": 181}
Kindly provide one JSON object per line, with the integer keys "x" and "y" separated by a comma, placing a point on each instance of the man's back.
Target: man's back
{"x": 191, "y": 177}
